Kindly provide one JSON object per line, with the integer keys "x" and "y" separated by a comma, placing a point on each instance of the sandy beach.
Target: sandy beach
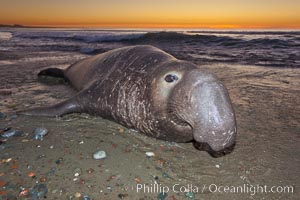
{"x": 267, "y": 153}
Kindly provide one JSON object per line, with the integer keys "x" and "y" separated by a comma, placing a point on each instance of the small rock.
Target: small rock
{"x": 43, "y": 179}
{"x": 217, "y": 166}
{"x": 78, "y": 195}
{"x": 54, "y": 191}
{"x": 165, "y": 175}
{"x": 39, "y": 133}
{"x": 2, "y": 115}
{"x": 9, "y": 133}
{"x": 41, "y": 156}
{"x": 59, "y": 161}
{"x": 150, "y": 154}
{"x": 12, "y": 132}
{"x": 122, "y": 196}
{"x": 189, "y": 195}
{"x": 85, "y": 197}
{"x": 162, "y": 196}
{"x": 109, "y": 188}
{"x": 24, "y": 192}
{"x": 51, "y": 171}
{"x": 99, "y": 155}
{"x": 39, "y": 191}
{"x": 90, "y": 170}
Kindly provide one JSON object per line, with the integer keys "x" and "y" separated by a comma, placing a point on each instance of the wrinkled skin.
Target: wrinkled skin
{"x": 144, "y": 88}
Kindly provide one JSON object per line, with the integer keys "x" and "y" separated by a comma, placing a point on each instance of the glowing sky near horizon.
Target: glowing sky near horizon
{"x": 153, "y": 13}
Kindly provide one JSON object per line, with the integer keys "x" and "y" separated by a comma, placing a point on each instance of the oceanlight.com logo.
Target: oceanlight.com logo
{"x": 250, "y": 189}
{"x": 213, "y": 188}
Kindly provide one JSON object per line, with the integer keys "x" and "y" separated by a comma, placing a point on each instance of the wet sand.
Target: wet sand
{"x": 267, "y": 153}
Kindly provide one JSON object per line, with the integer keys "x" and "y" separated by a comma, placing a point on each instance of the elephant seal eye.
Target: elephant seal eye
{"x": 171, "y": 78}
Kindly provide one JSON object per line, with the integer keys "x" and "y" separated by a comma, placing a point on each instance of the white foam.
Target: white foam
{"x": 6, "y": 62}
{"x": 5, "y": 35}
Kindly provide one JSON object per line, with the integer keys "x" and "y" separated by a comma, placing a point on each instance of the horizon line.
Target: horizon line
{"x": 155, "y": 26}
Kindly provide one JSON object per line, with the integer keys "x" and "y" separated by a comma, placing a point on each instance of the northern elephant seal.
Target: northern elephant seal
{"x": 145, "y": 88}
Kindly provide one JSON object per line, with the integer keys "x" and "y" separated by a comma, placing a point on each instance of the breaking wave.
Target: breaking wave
{"x": 5, "y": 35}
{"x": 86, "y": 36}
{"x": 266, "y": 48}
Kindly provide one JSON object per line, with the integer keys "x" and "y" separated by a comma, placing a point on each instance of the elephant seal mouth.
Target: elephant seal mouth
{"x": 216, "y": 154}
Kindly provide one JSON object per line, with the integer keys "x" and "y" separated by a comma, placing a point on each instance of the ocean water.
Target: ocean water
{"x": 260, "y": 69}
{"x": 263, "y": 47}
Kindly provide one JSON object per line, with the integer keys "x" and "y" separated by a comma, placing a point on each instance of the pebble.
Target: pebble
{"x": 39, "y": 191}
{"x": 24, "y": 192}
{"x": 54, "y": 191}
{"x": 2, "y": 115}
{"x": 43, "y": 179}
{"x": 51, "y": 171}
{"x": 77, "y": 195}
{"x": 165, "y": 175}
{"x": 7, "y": 160}
{"x": 77, "y": 172}
{"x": 109, "y": 188}
{"x": 39, "y": 133}
{"x": 99, "y": 155}
{"x": 189, "y": 195}
{"x": 58, "y": 161}
{"x": 150, "y": 154}
{"x": 41, "y": 156}
{"x": 162, "y": 196}
{"x": 122, "y": 196}
{"x": 75, "y": 179}
{"x": 90, "y": 170}
{"x": 11, "y": 133}
{"x": 8, "y": 133}
{"x": 217, "y": 166}
{"x": 85, "y": 197}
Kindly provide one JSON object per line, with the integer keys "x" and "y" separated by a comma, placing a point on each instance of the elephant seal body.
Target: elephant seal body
{"x": 144, "y": 88}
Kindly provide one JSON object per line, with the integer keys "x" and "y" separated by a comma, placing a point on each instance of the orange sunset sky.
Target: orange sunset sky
{"x": 153, "y": 13}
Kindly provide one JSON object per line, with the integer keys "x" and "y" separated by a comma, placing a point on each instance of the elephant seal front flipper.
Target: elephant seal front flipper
{"x": 65, "y": 107}
{"x": 68, "y": 106}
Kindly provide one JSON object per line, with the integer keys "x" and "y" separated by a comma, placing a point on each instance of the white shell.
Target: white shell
{"x": 99, "y": 155}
